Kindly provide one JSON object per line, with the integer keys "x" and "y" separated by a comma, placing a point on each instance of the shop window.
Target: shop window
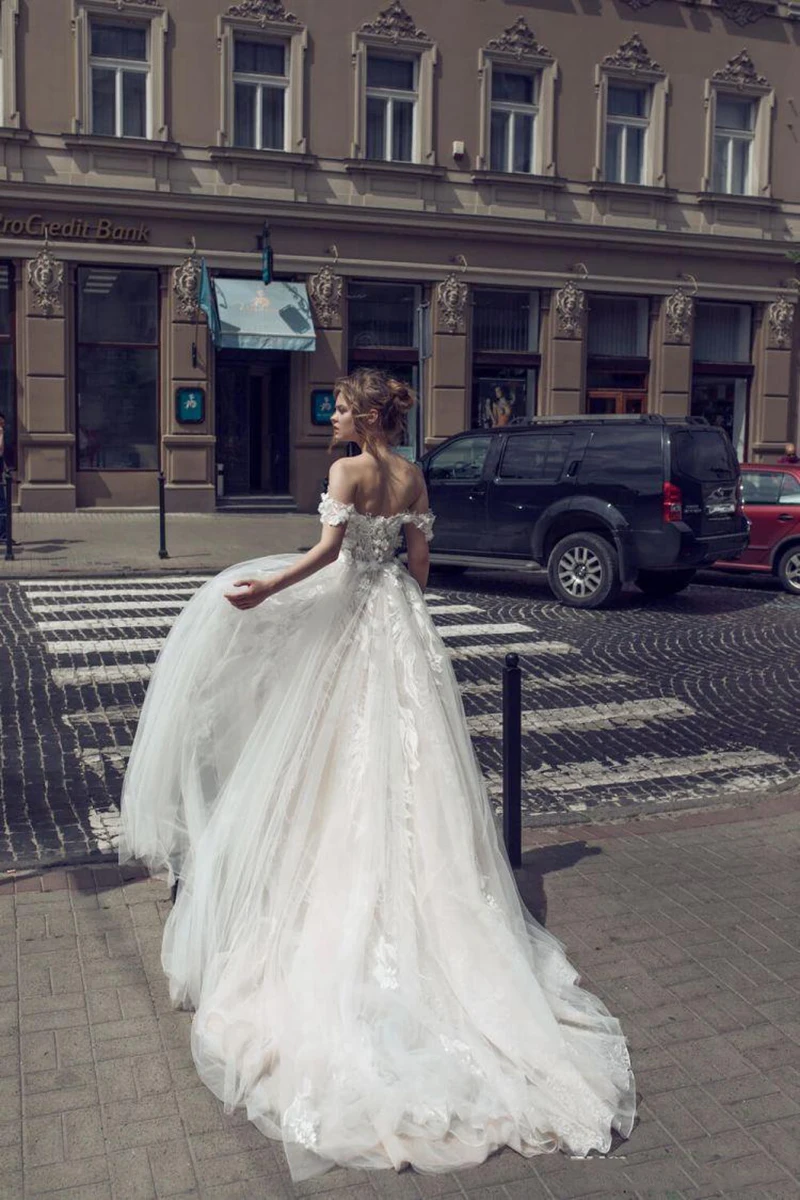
{"x": 118, "y": 369}
{"x": 632, "y": 90}
{"x": 383, "y": 321}
{"x": 394, "y": 68}
{"x": 517, "y": 79}
{"x": 260, "y": 84}
{"x": 722, "y": 368}
{"x": 120, "y": 69}
{"x": 618, "y": 326}
{"x": 9, "y": 111}
{"x": 262, "y": 63}
{"x": 739, "y": 105}
{"x": 8, "y": 388}
{"x": 722, "y": 332}
{"x": 505, "y": 356}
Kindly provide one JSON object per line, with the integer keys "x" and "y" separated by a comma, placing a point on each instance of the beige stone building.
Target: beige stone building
{"x": 523, "y": 210}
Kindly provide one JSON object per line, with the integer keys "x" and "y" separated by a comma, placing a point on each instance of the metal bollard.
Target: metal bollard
{"x": 162, "y": 518}
{"x": 9, "y": 556}
{"x": 512, "y": 759}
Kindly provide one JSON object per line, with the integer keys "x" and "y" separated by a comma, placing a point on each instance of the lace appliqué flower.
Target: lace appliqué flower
{"x": 334, "y": 512}
{"x": 385, "y": 968}
{"x": 424, "y": 522}
{"x": 302, "y": 1121}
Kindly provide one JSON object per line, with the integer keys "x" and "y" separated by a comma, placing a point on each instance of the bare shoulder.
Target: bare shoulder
{"x": 417, "y": 489}
{"x": 343, "y": 479}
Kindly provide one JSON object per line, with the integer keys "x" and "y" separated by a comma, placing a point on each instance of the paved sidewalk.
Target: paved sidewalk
{"x": 100, "y": 543}
{"x": 685, "y": 925}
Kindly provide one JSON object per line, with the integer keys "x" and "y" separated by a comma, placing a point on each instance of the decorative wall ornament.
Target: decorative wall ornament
{"x": 451, "y": 296}
{"x": 637, "y": 4}
{"x": 744, "y": 12}
{"x": 633, "y": 56}
{"x": 186, "y": 286}
{"x": 325, "y": 290}
{"x": 263, "y": 11}
{"x": 780, "y": 319}
{"x": 570, "y": 307}
{"x": 679, "y": 309}
{"x": 740, "y": 72}
{"x": 519, "y": 40}
{"x": 395, "y": 24}
{"x": 46, "y": 280}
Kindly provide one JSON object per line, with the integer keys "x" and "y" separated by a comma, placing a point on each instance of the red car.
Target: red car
{"x": 771, "y": 498}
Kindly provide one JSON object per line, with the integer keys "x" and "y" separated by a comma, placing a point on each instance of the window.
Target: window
{"x": 739, "y": 105}
{"x": 120, "y": 69}
{"x": 461, "y": 460}
{"x": 513, "y": 125}
{"x": 391, "y": 108}
{"x": 632, "y": 90}
{"x": 505, "y": 351}
{"x": 394, "y": 72}
{"x": 758, "y": 488}
{"x": 790, "y": 489}
{"x": 120, "y": 80}
{"x": 383, "y": 321}
{"x": 262, "y": 65}
{"x": 9, "y": 111}
{"x": 535, "y": 456}
{"x": 618, "y": 326}
{"x": 517, "y": 78}
{"x": 260, "y": 86}
{"x": 734, "y": 133}
{"x": 627, "y": 124}
{"x": 505, "y": 320}
{"x": 722, "y": 332}
{"x": 118, "y": 360}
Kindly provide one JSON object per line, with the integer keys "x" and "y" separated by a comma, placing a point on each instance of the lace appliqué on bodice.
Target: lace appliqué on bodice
{"x": 371, "y": 539}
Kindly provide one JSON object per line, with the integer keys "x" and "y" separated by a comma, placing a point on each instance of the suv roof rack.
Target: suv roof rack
{"x": 608, "y": 419}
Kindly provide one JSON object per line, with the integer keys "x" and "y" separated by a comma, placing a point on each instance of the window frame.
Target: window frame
{"x": 294, "y": 36}
{"x": 732, "y": 136}
{"x": 532, "y": 59}
{"x": 142, "y": 13}
{"x": 515, "y": 109}
{"x": 10, "y": 117}
{"x": 739, "y": 80}
{"x": 626, "y": 122}
{"x": 120, "y": 66}
{"x": 389, "y": 96}
{"x": 419, "y": 47}
{"x": 631, "y": 66}
{"x": 282, "y": 83}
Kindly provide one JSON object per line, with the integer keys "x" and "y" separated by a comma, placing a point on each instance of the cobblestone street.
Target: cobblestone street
{"x": 641, "y": 707}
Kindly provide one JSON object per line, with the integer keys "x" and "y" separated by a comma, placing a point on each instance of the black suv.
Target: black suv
{"x": 599, "y": 501}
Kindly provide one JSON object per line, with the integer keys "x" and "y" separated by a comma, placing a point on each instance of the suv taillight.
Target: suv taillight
{"x": 672, "y": 502}
{"x": 739, "y": 497}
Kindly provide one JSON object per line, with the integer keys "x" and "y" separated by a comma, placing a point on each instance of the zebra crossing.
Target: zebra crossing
{"x": 101, "y": 639}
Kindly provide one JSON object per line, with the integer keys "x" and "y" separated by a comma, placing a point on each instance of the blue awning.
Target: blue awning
{"x": 262, "y": 316}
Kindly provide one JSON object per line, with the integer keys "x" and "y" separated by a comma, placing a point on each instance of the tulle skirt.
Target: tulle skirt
{"x": 365, "y": 979}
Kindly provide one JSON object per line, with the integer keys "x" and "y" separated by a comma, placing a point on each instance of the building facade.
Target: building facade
{"x": 522, "y": 210}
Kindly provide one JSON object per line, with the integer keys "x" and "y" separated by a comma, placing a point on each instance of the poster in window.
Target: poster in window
{"x": 323, "y": 402}
{"x": 190, "y": 405}
{"x": 498, "y": 401}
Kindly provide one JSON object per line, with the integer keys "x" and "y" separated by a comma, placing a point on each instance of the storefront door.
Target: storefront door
{"x": 723, "y": 402}
{"x": 252, "y": 401}
{"x": 610, "y": 400}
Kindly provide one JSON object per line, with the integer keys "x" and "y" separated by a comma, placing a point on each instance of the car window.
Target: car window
{"x": 790, "y": 489}
{"x": 535, "y": 456}
{"x": 704, "y": 454}
{"x": 760, "y": 487}
{"x": 463, "y": 459}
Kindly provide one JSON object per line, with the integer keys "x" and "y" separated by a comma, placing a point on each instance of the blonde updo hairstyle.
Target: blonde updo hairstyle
{"x": 369, "y": 390}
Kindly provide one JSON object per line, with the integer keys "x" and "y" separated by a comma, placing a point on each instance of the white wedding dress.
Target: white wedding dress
{"x": 366, "y": 980}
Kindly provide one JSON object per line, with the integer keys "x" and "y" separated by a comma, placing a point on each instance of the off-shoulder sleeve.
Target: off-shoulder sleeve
{"x": 333, "y": 512}
{"x": 423, "y": 521}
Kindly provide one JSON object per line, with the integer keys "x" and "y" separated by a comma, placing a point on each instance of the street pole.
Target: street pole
{"x": 512, "y": 759}
{"x": 162, "y": 518}
{"x": 9, "y": 556}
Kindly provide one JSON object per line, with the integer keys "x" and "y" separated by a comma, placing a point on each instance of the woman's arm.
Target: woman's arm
{"x": 419, "y": 557}
{"x": 342, "y": 488}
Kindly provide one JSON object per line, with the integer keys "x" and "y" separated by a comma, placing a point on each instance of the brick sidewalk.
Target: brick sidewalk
{"x": 99, "y": 543}
{"x": 684, "y": 925}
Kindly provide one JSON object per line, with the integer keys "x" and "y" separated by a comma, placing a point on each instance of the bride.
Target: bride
{"x": 365, "y": 979}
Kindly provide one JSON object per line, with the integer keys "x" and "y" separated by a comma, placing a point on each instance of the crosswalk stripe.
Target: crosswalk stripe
{"x": 60, "y": 587}
{"x": 109, "y": 606}
{"x": 113, "y": 715}
{"x": 643, "y": 768}
{"x": 106, "y": 646}
{"x": 483, "y": 629}
{"x": 81, "y": 676}
{"x": 132, "y": 622}
{"x": 453, "y": 610}
{"x": 498, "y": 650}
{"x": 544, "y": 680}
{"x": 631, "y": 713}
{"x": 130, "y": 594}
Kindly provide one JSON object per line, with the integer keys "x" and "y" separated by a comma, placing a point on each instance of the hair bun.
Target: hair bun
{"x": 400, "y": 395}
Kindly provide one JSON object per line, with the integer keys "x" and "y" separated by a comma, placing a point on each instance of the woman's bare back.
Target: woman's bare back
{"x": 386, "y": 486}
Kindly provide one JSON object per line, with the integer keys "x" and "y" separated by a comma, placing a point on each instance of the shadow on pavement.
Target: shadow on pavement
{"x": 538, "y": 863}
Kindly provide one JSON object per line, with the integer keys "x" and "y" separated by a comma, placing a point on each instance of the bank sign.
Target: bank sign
{"x": 99, "y": 229}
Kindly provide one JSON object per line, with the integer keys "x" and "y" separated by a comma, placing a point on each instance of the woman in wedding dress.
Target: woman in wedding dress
{"x": 365, "y": 979}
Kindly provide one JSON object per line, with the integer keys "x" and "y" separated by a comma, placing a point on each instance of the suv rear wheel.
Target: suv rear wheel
{"x": 789, "y": 570}
{"x": 583, "y": 571}
{"x": 664, "y": 583}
